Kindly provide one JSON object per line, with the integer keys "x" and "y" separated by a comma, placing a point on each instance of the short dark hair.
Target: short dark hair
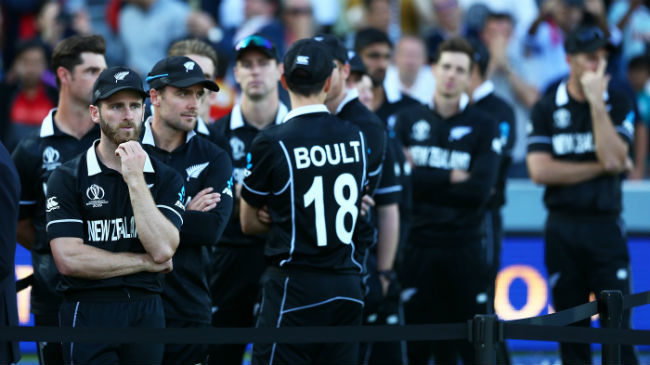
{"x": 368, "y": 36}
{"x": 456, "y": 44}
{"x": 304, "y": 89}
{"x": 68, "y": 52}
{"x": 641, "y": 62}
{"x": 195, "y": 46}
{"x": 24, "y": 46}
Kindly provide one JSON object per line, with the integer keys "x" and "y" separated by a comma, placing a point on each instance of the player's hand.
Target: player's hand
{"x": 152, "y": 266}
{"x": 458, "y": 176}
{"x": 594, "y": 83}
{"x": 132, "y": 158}
{"x": 366, "y": 203}
{"x": 263, "y": 215}
{"x": 205, "y": 200}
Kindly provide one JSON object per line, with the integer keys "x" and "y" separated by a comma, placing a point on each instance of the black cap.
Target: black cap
{"x": 307, "y": 62}
{"x": 334, "y": 45}
{"x": 178, "y": 71}
{"x": 356, "y": 64}
{"x": 481, "y": 54}
{"x": 585, "y": 39}
{"x": 258, "y": 43}
{"x": 115, "y": 79}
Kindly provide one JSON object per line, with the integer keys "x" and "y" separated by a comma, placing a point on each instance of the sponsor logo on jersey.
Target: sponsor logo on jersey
{"x": 51, "y": 204}
{"x": 573, "y": 143}
{"x": 504, "y": 129}
{"x": 111, "y": 230}
{"x": 228, "y": 189}
{"x": 237, "y": 146}
{"x": 457, "y": 133}
{"x": 51, "y": 158}
{"x": 333, "y": 154}
{"x": 95, "y": 194}
{"x": 180, "y": 205}
{"x": 561, "y": 118}
{"x": 497, "y": 146}
{"x": 441, "y": 158}
{"x": 420, "y": 130}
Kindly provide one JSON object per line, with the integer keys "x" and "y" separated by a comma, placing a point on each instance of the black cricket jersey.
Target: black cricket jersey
{"x": 201, "y": 164}
{"x": 352, "y": 110}
{"x": 396, "y": 103}
{"x": 485, "y": 100}
{"x": 310, "y": 171}
{"x": 562, "y": 126}
{"x": 87, "y": 200}
{"x": 444, "y": 212}
{"x": 36, "y": 157}
{"x": 235, "y": 135}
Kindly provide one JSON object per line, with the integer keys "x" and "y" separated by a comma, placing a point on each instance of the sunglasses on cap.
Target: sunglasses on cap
{"x": 254, "y": 40}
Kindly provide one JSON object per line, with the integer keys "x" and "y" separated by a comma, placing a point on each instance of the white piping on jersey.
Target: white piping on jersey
{"x": 324, "y": 302}
{"x": 93, "y": 164}
{"x": 237, "y": 118}
{"x": 622, "y": 130}
{"x": 307, "y": 109}
{"x": 483, "y": 90}
{"x": 283, "y": 189}
{"x": 47, "y": 127}
{"x": 462, "y": 102}
{"x": 284, "y": 300}
{"x": 253, "y": 190}
{"x": 293, "y": 205}
{"x": 539, "y": 139}
{"x": 63, "y": 221}
{"x": 388, "y": 189}
{"x": 377, "y": 171}
{"x": 27, "y": 202}
{"x": 147, "y": 138}
{"x": 562, "y": 95}
{"x": 352, "y": 251}
{"x": 172, "y": 209}
{"x": 74, "y": 322}
{"x": 363, "y": 183}
{"x": 349, "y": 96}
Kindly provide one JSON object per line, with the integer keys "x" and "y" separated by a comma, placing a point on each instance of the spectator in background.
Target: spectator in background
{"x": 148, "y": 27}
{"x": 448, "y": 22}
{"x": 298, "y": 19}
{"x": 261, "y": 17}
{"x": 638, "y": 74}
{"x": 409, "y": 72}
{"x": 505, "y": 70}
{"x": 381, "y": 14}
{"x": 28, "y": 98}
{"x": 633, "y": 19}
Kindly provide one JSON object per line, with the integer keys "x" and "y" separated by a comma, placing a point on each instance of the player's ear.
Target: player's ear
{"x": 94, "y": 113}
{"x": 328, "y": 84}
{"x": 154, "y": 96}
{"x": 284, "y": 82}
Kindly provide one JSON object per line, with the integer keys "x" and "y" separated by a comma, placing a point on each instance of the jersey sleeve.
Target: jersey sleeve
{"x": 389, "y": 190}
{"x": 219, "y": 178}
{"x": 170, "y": 196}
{"x": 623, "y": 117}
{"x": 376, "y": 140}
{"x": 27, "y": 167}
{"x": 62, "y": 207}
{"x": 539, "y": 130}
{"x": 259, "y": 163}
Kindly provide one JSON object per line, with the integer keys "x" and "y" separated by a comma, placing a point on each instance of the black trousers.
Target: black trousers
{"x": 235, "y": 289}
{"x": 308, "y": 299}
{"x": 443, "y": 284}
{"x": 586, "y": 255}
{"x": 49, "y": 353}
{"x": 185, "y": 353}
{"x": 143, "y": 312}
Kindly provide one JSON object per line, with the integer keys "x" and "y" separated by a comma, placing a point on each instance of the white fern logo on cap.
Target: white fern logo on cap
{"x": 302, "y": 60}
{"x": 120, "y": 76}
{"x": 189, "y": 65}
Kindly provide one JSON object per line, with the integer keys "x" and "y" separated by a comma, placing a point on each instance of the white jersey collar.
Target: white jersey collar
{"x": 307, "y": 109}
{"x": 93, "y": 163}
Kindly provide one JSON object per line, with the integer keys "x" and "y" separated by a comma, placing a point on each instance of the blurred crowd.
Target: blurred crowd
{"x": 524, "y": 39}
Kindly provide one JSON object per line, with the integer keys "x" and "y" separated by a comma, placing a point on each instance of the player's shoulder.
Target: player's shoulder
{"x": 72, "y": 168}
{"x": 220, "y": 126}
{"x": 162, "y": 171}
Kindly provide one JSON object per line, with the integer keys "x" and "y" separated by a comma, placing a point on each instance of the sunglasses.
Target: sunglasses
{"x": 254, "y": 41}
